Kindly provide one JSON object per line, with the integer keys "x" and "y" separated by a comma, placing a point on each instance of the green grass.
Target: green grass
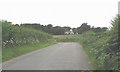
{"x": 66, "y": 38}
{"x": 90, "y": 56}
{"x": 9, "y": 53}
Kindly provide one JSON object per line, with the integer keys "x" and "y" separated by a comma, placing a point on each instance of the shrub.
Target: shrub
{"x": 17, "y": 35}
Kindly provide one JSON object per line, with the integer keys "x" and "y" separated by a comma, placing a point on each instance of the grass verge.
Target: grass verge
{"x": 9, "y": 53}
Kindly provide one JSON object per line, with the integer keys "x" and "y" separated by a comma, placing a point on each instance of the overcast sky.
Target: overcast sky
{"x": 60, "y": 12}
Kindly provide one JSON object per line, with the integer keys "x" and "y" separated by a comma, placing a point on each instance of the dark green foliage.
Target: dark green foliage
{"x": 57, "y": 30}
{"x": 99, "y": 29}
{"x": 83, "y": 28}
{"x": 67, "y": 28}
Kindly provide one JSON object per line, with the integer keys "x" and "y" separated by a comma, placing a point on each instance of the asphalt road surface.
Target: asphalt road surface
{"x": 61, "y": 56}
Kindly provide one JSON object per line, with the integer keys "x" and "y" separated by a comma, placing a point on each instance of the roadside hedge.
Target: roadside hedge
{"x": 16, "y": 35}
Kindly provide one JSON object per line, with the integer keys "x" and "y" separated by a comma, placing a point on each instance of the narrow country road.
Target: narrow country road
{"x": 61, "y": 56}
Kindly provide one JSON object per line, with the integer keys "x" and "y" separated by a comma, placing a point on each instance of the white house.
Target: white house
{"x": 69, "y": 32}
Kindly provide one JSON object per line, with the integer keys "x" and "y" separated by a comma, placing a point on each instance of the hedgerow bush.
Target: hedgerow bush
{"x": 103, "y": 48}
{"x": 16, "y": 35}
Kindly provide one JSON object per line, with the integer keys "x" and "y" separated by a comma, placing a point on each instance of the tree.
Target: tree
{"x": 49, "y": 26}
{"x": 67, "y": 28}
{"x": 83, "y": 28}
{"x": 104, "y": 29}
{"x": 58, "y": 30}
{"x": 75, "y": 30}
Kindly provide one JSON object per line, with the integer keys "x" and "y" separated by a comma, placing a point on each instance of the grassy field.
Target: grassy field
{"x": 9, "y": 53}
{"x": 66, "y": 38}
